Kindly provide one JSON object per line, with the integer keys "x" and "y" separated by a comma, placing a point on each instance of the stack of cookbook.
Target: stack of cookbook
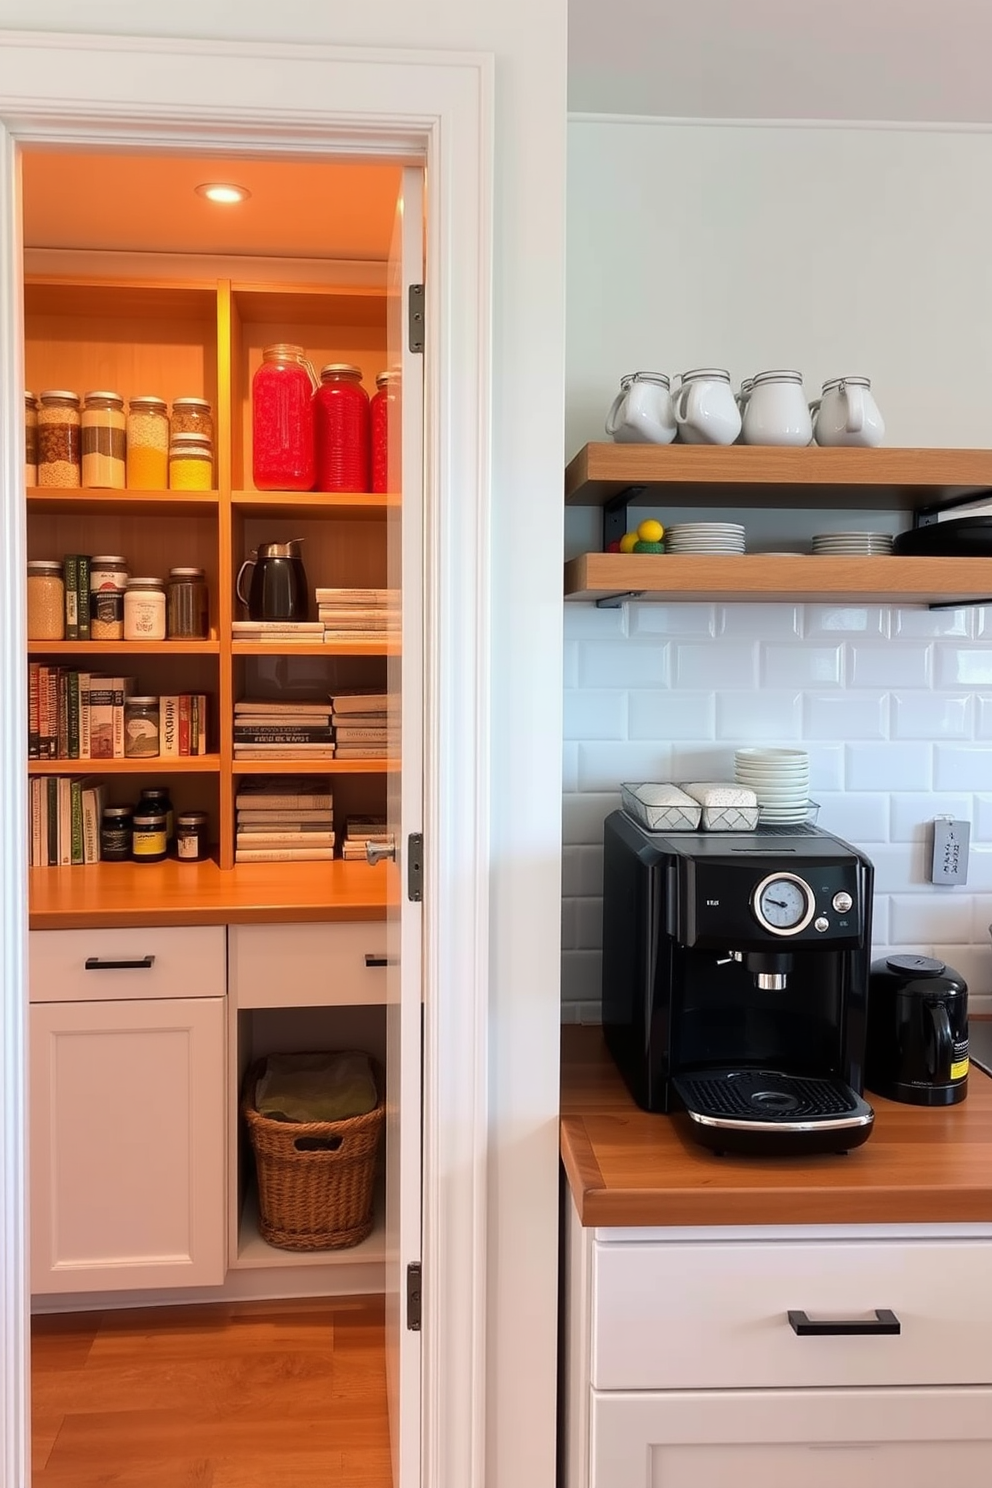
{"x": 284, "y": 819}
{"x": 361, "y": 725}
{"x": 266, "y": 728}
{"x": 359, "y": 614}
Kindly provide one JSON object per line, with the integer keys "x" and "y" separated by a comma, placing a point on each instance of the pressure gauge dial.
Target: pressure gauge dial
{"x": 783, "y": 903}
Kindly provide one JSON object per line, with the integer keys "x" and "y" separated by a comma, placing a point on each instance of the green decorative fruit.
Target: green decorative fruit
{"x": 649, "y": 547}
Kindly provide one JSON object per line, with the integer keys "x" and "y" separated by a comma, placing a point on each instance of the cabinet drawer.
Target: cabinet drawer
{"x": 709, "y": 1316}
{"x": 107, "y": 965}
{"x": 308, "y": 965}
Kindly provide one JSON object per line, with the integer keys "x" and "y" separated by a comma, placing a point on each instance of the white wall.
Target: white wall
{"x": 528, "y": 42}
{"x": 831, "y": 251}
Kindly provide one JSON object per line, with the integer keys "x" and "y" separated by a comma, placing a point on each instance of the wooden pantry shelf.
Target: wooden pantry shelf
{"x": 314, "y": 766}
{"x": 609, "y": 577}
{"x": 316, "y": 648}
{"x": 314, "y": 503}
{"x": 762, "y": 476}
{"x": 117, "y": 895}
{"x": 183, "y": 764}
{"x": 62, "y": 501}
{"x": 123, "y": 648}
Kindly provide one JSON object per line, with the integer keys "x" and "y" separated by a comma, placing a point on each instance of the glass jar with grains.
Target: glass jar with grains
{"x": 46, "y": 600}
{"x": 108, "y": 580}
{"x": 191, "y": 463}
{"x": 193, "y": 416}
{"x": 103, "y": 427}
{"x": 58, "y": 439}
{"x": 30, "y": 440}
{"x": 147, "y": 444}
{"x": 144, "y": 610}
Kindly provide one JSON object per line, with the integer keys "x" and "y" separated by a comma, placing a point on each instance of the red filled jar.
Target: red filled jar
{"x": 341, "y": 429}
{"x": 380, "y": 412}
{"x": 282, "y": 420}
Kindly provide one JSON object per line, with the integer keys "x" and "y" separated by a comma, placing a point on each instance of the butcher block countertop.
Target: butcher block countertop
{"x": 921, "y": 1165}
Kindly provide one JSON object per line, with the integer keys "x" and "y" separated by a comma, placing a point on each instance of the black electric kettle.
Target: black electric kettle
{"x": 278, "y": 589}
{"x": 917, "y": 1047}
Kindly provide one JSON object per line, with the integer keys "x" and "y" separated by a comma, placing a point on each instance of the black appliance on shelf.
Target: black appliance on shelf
{"x": 735, "y": 981}
{"x": 917, "y": 1031}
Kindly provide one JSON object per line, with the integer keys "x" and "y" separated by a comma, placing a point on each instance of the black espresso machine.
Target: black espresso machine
{"x": 735, "y": 982}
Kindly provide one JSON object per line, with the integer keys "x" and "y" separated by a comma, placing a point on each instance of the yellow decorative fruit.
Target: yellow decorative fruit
{"x": 650, "y": 531}
{"x": 627, "y": 542}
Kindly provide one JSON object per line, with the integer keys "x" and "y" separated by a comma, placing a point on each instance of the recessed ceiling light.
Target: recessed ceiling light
{"x": 222, "y": 191}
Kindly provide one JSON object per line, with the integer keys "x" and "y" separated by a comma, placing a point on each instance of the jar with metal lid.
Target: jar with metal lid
{"x": 103, "y": 441}
{"x": 46, "y": 600}
{"x": 186, "y": 606}
{"x": 191, "y": 836}
{"x": 380, "y": 410}
{"x": 58, "y": 439}
{"x": 193, "y": 416}
{"x": 282, "y": 420}
{"x": 141, "y": 727}
{"x": 191, "y": 463}
{"x": 30, "y": 439}
{"x": 147, "y": 444}
{"x": 157, "y": 798}
{"x": 144, "y": 610}
{"x": 116, "y": 826}
{"x": 149, "y": 839}
{"x": 341, "y": 429}
{"x": 108, "y": 581}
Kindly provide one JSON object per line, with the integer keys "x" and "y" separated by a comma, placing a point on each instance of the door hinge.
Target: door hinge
{"x": 415, "y": 304}
{"x": 413, "y": 1296}
{"x": 415, "y": 866}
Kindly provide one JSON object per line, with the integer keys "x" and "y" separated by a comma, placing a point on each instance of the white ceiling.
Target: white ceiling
{"x": 894, "y": 60}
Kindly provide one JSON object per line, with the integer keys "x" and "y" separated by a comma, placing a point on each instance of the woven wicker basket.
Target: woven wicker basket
{"x": 315, "y": 1178}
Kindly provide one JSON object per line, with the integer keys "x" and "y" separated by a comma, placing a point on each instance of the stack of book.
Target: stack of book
{"x": 279, "y": 632}
{"x": 284, "y": 819}
{"x": 361, "y": 727}
{"x": 80, "y": 715}
{"x": 65, "y": 821}
{"x": 359, "y": 614}
{"x": 265, "y": 728}
{"x": 76, "y": 583}
{"x": 358, "y": 830}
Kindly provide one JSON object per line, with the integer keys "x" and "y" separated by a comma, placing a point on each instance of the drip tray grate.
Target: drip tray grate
{"x": 765, "y": 1095}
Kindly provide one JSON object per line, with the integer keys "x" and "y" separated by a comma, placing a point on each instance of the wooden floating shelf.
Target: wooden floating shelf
{"x": 315, "y": 766}
{"x": 123, "y": 648}
{"x": 763, "y": 476}
{"x": 858, "y": 580}
{"x": 184, "y": 764}
{"x": 317, "y": 648}
{"x": 122, "y": 503}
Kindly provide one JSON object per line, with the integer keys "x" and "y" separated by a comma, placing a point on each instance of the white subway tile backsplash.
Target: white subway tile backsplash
{"x": 888, "y": 766}
{"x": 672, "y": 620}
{"x": 581, "y": 976}
{"x": 634, "y": 664}
{"x": 981, "y": 919}
{"x": 702, "y": 762}
{"x": 879, "y": 921}
{"x": 758, "y": 717}
{"x": 592, "y": 713}
{"x": 760, "y": 620}
{"x": 570, "y": 664}
{"x": 862, "y": 819}
{"x": 870, "y": 621}
{"x": 912, "y": 814}
{"x": 979, "y": 869}
{"x": 885, "y": 665}
{"x": 931, "y": 715}
{"x": 589, "y": 623}
{"x": 569, "y": 910}
{"x": 963, "y": 666}
{"x": 570, "y": 767}
{"x": 582, "y": 871}
{"x": 583, "y": 815}
{"x": 588, "y": 924}
{"x": 960, "y": 767}
{"x": 802, "y": 666}
{"x": 720, "y": 664}
{"x": 671, "y": 715}
{"x": 899, "y": 866}
{"x": 937, "y": 914}
{"x": 910, "y": 624}
{"x": 844, "y": 715}
{"x": 826, "y": 767}
{"x": 604, "y": 767}
{"x": 983, "y": 717}
{"x": 981, "y": 829}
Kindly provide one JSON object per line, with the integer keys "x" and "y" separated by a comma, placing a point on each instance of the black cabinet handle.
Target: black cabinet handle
{"x": 140, "y": 963}
{"x": 884, "y": 1321}
{"x": 371, "y": 960}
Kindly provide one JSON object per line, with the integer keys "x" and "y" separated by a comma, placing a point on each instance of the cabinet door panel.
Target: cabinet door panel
{"x": 127, "y": 1145}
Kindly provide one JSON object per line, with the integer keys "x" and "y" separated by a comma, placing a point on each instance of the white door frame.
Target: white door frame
{"x": 431, "y": 107}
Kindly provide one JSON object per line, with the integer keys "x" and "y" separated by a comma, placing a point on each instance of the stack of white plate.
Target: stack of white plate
{"x": 705, "y": 537}
{"x": 845, "y": 544}
{"x": 779, "y": 779}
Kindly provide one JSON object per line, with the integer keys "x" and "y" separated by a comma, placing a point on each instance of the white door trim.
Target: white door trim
{"x": 431, "y": 107}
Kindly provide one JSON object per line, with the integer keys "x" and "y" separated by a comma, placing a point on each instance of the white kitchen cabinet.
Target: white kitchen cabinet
{"x": 308, "y": 965}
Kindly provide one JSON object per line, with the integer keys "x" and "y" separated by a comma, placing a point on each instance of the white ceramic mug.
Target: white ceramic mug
{"x": 642, "y": 411}
{"x": 706, "y": 410}
{"x": 776, "y": 411}
{"x": 846, "y": 414}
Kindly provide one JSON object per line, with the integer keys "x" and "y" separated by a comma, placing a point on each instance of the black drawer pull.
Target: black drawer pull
{"x": 140, "y": 963}
{"x": 884, "y": 1321}
{"x": 371, "y": 960}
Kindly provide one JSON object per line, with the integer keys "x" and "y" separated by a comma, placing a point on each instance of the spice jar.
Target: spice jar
{"x": 282, "y": 420}
{"x": 191, "y": 463}
{"x": 380, "y": 410}
{"x": 46, "y": 600}
{"x": 58, "y": 439}
{"x": 149, "y": 840}
{"x": 141, "y": 727}
{"x": 341, "y": 429}
{"x": 30, "y": 440}
{"x": 186, "y": 609}
{"x": 144, "y": 610}
{"x": 193, "y": 416}
{"x": 108, "y": 580}
{"x": 116, "y": 827}
{"x": 157, "y": 798}
{"x": 147, "y": 444}
{"x": 191, "y": 836}
{"x": 103, "y": 439}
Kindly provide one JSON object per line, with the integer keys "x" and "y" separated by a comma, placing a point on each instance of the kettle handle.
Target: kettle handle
{"x": 248, "y": 563}
{"x": 940, "y": 1051}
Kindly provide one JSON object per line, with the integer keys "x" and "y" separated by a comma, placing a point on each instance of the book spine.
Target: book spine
{"x": 91, "y": 825}
{"x": 76, "y": 823}
{"x": 168, "y": 712}
{"x": 283, "y": 734}
{"x": 184, "y": 711}
{"x": 70, "y": 579}
{"x": 63, "y": 707}
{"x": 36, "y": 860}
{"x": 284, "y": 839}
{"x": 283, "y": 854}
{"x": 72, "y": 682}
{"x": 83, "y": 600}
{"x": 123, "y": 687}
{"x": 276, "y": 802}
{"x": 84, "y": 715}
{"x": 51, "y": 821}
{"x": 64, "y": 821}
{"x": 53, "y": 712}
{"x": 33, "y": 740}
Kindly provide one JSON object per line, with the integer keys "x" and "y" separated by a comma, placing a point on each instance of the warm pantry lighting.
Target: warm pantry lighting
{"x": 222, "y": 192}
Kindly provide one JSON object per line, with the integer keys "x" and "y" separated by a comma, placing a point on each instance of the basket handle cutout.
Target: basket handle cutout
{"x": 317, "y": 1144}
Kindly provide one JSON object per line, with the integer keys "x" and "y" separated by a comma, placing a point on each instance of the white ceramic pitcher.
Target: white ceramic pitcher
{"x": 706, "y": 410}
{"x": 776, "y": 411}
{"x": 846, "y": 414}
{"x": 642, "y": 411}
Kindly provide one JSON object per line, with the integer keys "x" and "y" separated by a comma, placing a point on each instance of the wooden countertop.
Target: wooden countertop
{"x": 921, "y": 1165}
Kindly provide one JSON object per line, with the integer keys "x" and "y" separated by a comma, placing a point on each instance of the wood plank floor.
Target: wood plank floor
{"x": 247, "y": 1395}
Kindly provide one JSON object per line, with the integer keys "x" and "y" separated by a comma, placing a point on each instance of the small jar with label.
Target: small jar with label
{"x": 149, "y": 840}
{"x": 30, "y": 440}
{"x": 144, "y": 610}
{"x": 191, "y": 836}
{"x": 157, "y": 798}
{"x": 58, "y": 439}
{"x": 116, "y": 826}
{"x": 141, "y": 728}
{"x": 191, "y": 463}
{"x": 103, "y": 442}
{"x": 46, "y": 600}
{"x": 186, "y": 609}
{"x": 108, "y": 581}
{"x": 193, "y": 416}
{"x": 147, "y": 444}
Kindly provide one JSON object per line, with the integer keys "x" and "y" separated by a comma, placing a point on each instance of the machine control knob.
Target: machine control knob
{"x": 821, "y": 923}
{"x": 842, "y": 902}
